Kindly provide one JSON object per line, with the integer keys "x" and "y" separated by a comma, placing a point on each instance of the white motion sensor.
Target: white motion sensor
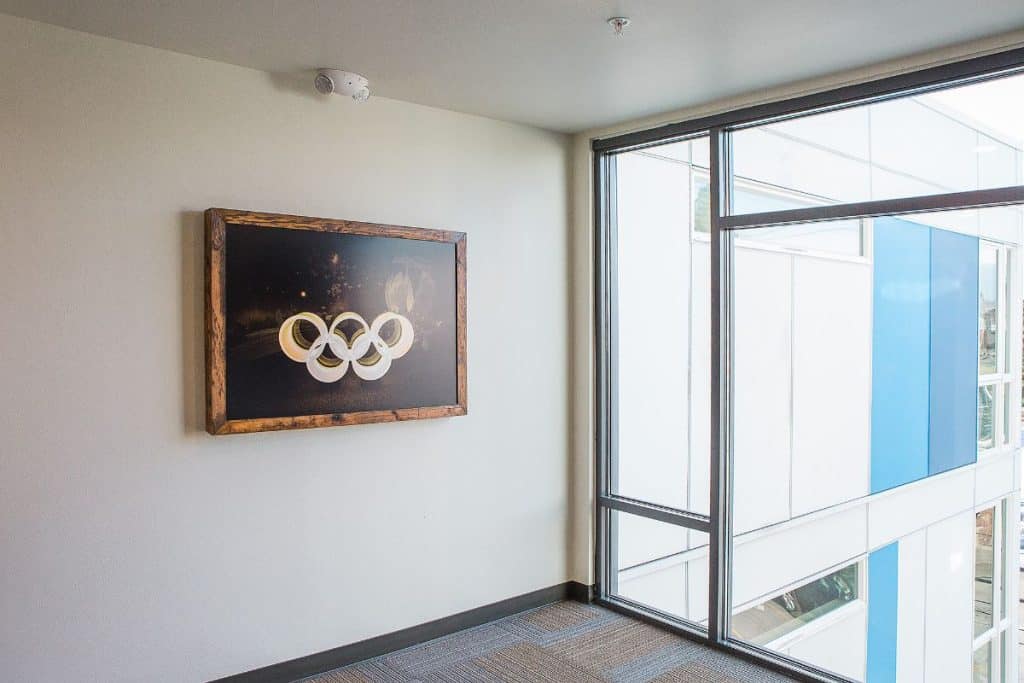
{"x": 329, "y": 81}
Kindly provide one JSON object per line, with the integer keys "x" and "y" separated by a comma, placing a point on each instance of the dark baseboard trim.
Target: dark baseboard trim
{"x": 294, "y": 669}
{"x": 581, "y": 592}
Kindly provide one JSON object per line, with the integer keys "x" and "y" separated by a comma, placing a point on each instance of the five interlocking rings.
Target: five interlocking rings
{"x": 355, "y": 352}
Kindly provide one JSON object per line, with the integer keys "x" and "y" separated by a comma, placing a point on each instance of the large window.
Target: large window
{"x": 662, "y": 374}
{"x": 996, "y": 417}
{"x": 994, "y": 640}
{"x": 807, "y": 388}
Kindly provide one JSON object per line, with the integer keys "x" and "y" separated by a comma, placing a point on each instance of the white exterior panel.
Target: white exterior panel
{"x": 762, "y": 388}
{"x": 910, "y": 620}
{"x": 903, "y": 510}
{"x": 700, "y": 380}
{"x": 764, "y": 562}
{"x": 840, "y": 647}
{"x": 831, "y": 382}
{"x": 949, "y": 612}
{"x": 994, "y": 477}
{"x": 653, "y": 292}
{"x": 662, "y": 586}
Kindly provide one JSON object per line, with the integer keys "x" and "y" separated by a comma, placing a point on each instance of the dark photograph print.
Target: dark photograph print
{"x": 315, "y": 322}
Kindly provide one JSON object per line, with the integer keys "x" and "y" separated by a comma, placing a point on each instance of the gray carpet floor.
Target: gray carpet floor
{"x": 567, "y": 642}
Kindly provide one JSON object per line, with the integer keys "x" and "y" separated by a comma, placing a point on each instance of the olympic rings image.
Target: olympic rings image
{"x": 366, "y": 352}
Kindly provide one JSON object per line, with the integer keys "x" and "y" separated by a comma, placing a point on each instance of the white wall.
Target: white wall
{"x": 133, "y": 545}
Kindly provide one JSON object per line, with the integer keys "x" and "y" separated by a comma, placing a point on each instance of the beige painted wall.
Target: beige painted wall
{"x": 582, "y": 254}
{"x": 133, "y": 545}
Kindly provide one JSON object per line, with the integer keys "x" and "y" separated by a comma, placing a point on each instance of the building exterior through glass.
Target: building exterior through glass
{"x": 876, "y": 369}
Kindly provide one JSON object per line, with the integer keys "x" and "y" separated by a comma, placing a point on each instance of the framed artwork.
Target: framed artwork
{"x": 315, "y": 322}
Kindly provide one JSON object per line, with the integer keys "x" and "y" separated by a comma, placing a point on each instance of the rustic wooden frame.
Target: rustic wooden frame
{"x": 217, "y": 221}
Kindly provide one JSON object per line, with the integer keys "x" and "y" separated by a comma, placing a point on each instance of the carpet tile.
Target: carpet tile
{"x": 566, "y": 642}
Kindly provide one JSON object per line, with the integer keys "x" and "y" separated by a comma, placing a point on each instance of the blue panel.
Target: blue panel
{"x": 954, "y": 351}
{"x": 900, "y": 395}
{"x": 883, "y": 599}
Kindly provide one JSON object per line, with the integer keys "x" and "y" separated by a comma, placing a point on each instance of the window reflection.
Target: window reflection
{"x": 983, "y": 664}
{"x": 984, "y": 561}
{"x": 988, "y": 310}
{"x": 986, "y": 415}
{"x": 785, "y": 613}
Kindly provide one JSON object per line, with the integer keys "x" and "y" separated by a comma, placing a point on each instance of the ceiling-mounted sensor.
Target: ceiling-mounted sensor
{"x": 329, "y": 81}
{"x": 618, "y": 24}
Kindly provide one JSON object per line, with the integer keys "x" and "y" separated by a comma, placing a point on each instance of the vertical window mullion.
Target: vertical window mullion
{"x": 997, "y": 415}
{"x": 1002, "y": 313}
{"x": 997, "y": 592}
{"x": 993, "y": 667}
{"x": 603, "y": 248}
{"x": 721, "y": 424}
{"x": 610, "y": 170}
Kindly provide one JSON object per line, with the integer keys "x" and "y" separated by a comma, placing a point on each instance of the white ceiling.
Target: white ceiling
{"x": 550, "y": 63}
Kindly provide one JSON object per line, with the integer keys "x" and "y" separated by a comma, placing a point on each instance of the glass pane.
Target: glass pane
{"x": 988, "y": 309}
{"x": 843, "y": 237}
{"x": 855, "y": 381}
{"x": 802, "y": 366}
{"x": 701, "y": 203}
{"x": 983, "y": 664}
{"x": 660, "y": 565}
{"x": 959, "y": 139}
{"x": 662, "y": 337}
{"x": 984, "y": 561}
{"x": 1007, "y": 649}
{"x": 986, "y": 415}
{"x": 772, "y": 619}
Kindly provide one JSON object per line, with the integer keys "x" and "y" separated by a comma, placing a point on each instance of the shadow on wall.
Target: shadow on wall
{"x": 192, "y": 322}
{"x": 296, "y": 83}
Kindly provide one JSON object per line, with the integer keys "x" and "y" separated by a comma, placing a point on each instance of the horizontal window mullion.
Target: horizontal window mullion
{"x": 971, "y": 199}
{"x": 660, "y": 513}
